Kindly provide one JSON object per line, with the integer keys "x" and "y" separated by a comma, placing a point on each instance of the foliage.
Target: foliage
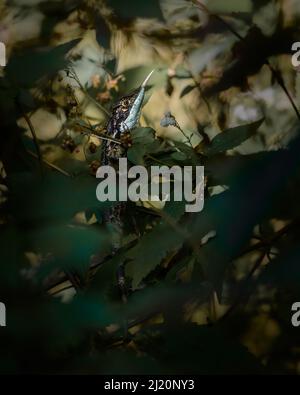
{"x": 195, "y": 283}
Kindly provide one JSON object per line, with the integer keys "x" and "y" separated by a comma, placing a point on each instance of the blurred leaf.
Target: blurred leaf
{"x": 219, "y": 6}
{"x": 53, "y": 196}
{"x": 70, "y": 247}
{"x": 187, "y": 90}
{"x": 222, "y": 169}
{"x": 231, "y": 138}
{"x": 38, "y": 64}
{"x": 250, "y": 54}
{"x": 141, "y": 9}
{"x": 283, "y": 271}
{"x": 253, "y": 197}
{"x": 188, "y": 151}
{"x": 173, "y": 261}
{"x": 26, "y": 100}
{"x": 59, "y": 325}
{"x": 152, "y": 247}
{"x": 209, "y": 51}
{"x": 206, "y": 350}
{"x": 102, "y": 32}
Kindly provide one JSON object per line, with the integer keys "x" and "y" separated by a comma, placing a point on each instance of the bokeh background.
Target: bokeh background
{"x": 206, "y": 293}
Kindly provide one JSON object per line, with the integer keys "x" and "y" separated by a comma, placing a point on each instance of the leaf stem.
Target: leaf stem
{"x": 84, "y": 90}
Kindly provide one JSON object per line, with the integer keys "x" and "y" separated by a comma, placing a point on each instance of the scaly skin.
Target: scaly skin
{"x": 125, "y": 116}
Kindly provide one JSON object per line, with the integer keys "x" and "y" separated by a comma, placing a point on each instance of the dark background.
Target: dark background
{"x": 206, "y": 293}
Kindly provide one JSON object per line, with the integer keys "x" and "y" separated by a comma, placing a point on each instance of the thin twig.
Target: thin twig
{"x": 184, "y": 134}
{"x": 50, "y": 164}
{"x": 156, "y": 160}
{"x": 94, "y": 268}
{"x": 216, "y": 16}
{"x": 280, "y": 82}
{"x": 35, "y": 140}
{"x": 268, "y": 243}
{"x": 198, "y": 86}
{"x": 67, "y": 287}
{"x": 243, "y": 286}
{"x": 102, "y": 137}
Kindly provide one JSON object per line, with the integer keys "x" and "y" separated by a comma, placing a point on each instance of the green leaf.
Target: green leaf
{"x": 188, "y": 151}
{"x": 226, "y": 169}
{"x": 27, "y": 68}
{"x": 231, "y": 138}
{"x": 150, "y": 251}
{"x": 152, "y": 247}
{"x": 143, "y": 142}
{"x": 256, "y": 194}
{"x": 143, "y": 135}
{"x": 180, "y": 156}
{"x": 136, "y": 154}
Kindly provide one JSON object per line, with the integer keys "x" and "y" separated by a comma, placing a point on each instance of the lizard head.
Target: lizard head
{"x": 126, "y": 112}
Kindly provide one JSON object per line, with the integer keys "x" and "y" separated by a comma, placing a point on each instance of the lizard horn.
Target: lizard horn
{"x": 134, "y": 114}
{"x": 147, "y": 79}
